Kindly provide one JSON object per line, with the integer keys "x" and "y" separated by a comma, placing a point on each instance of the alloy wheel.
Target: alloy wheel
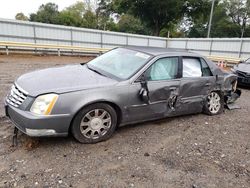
{"x": 95, "y": 123}
{"x": 214, "y": 103}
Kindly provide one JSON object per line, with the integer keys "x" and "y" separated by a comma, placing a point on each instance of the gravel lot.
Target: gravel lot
{"x": 190, "y": 151}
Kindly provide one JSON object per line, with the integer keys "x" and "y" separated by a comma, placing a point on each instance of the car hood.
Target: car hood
{"x": 243, "y": 67}
{"x": 62, "y": 79}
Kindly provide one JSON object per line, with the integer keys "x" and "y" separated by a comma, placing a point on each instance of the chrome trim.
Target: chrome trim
{"x": 150, "y": 103}
{"x": 137, "y": 105}
{"x": 47, "y": 116}
{"x": 17, "y": 92}
{"x": 40, "y": 132}
{"x": 16, "y": 96}
{"x": 11, "y": 103}
{"x": 20, "y": 89}
{"x": 15, "y": 101}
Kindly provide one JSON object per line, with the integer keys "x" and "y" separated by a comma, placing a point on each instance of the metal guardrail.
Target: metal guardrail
{"x": 234, "y": 47}
{"x": 227, "y": 61}
{"x": 40, "y": 33}
{"x": 58, "y": 48}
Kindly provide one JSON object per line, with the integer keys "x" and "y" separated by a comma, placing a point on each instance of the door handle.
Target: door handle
{"x": 208, "y": 84}
{"x": 173, "y": 88}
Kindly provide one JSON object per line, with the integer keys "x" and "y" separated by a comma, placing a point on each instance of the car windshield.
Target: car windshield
{"x": 121, "y": 63}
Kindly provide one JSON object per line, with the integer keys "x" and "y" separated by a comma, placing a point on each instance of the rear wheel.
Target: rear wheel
{"x": 214, "y": 103}
{"x": 94, "y": 123}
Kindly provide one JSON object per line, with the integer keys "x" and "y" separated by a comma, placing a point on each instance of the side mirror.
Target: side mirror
{"x": 143, "y": 81}
{"x": 144, "y": 95}
{"x": 144, "y": 89}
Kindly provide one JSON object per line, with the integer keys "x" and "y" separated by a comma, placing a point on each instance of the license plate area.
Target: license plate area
{"x": 245, "y": 80}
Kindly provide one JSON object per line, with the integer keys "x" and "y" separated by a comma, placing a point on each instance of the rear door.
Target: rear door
{"x": 196, "y": 82}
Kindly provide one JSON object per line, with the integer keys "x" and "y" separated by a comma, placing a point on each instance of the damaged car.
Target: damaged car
{"x": 242, "y": 70}
{"x": 124, "y": 86}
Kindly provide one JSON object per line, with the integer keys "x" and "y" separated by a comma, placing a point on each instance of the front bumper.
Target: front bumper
{"x": 243, "y": 81}
{"x": 36, "y": 125}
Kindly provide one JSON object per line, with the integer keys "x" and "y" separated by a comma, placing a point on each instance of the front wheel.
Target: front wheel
{"x": 94, "y": 123}
{"x": 214, "y": 103}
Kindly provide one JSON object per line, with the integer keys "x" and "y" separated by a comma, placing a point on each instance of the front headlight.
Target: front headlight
{"x": 44, "y": 104}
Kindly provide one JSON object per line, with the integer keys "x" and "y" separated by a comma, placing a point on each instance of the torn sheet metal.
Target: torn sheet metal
{"x": 180, "y": 96}
{"x": 232, "y": 106}
{"x": 232, "y": 96}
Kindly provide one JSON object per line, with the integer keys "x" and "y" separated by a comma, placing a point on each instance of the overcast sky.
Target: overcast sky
{"x": 9, "y": 8}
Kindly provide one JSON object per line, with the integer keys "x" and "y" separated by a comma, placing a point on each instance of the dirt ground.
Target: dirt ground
{"x": 196, "y": 151}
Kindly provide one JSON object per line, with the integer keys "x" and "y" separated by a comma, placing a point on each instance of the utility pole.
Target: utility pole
{"x": 210, "y": 19}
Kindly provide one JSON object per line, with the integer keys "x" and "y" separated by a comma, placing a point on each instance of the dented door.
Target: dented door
{"x": 193, "y": 92}
{"x": 196, "y": 82}
{"x": 163, "y": 96}
{"x": 161, "y": 88}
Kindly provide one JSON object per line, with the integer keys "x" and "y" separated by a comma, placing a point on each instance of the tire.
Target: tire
{"x": 94, "y": 123}
{"x": 214, "y": 103}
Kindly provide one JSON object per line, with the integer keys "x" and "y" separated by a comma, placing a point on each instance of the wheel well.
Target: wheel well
{"x": 221, "y": 93}
{"x": 113, "y": 105}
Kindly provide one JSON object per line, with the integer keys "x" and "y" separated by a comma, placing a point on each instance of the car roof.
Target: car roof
{"x": 156, "y": 51}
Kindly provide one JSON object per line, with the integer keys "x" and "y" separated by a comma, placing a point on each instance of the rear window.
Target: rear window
{"x": 195, "y": 67}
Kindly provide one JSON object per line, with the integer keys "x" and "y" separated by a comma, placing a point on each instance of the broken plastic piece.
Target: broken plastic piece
{"x": 232, "y": 106}
{"x": 233, "y": 96}
{"x": 14, "y": 138}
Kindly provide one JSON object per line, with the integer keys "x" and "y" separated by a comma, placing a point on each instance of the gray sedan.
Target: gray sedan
{"x": 123, "y": 86}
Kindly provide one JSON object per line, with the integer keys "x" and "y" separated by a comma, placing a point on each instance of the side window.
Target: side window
{"x": 205, "y": 68}
{"x": 163, "y": 69}
{"x": 191, "y": 67}
{"x": 195, "y": 67}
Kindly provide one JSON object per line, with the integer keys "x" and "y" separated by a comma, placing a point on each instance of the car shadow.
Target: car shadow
{"x": 147, "y": 123}
{"x": 30, "y": 143}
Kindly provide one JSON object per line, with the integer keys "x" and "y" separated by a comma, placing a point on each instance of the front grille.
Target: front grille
{"x": 16, "y": 96}
{"x": 243, "y": 74}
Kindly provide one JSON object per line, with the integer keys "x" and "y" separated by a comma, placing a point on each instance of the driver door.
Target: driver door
{"x": 162, "y": 81}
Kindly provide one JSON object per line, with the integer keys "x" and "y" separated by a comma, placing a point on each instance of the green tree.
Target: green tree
{"x": 179, "y": 18}
{"x": 47, "y": 13}
{"x": 222, "y": 25}
{"x": 72, "y": 15}
{"x": 104, "y": 14}
{"x": 21, "y": 16}
{"x": 78, "y": 9}
{"x": 197, "y": 15}
{"x": 239, "y": 12}
{"x": 130, "y": 24}
{"x": 172, "y": 32}
{"x": 155, "y": 14}
{"x": 230, "y": 19}
{"x": 89, "y": 20}
{"x": 79, "y": 14}
{"x": 68, "y": 19}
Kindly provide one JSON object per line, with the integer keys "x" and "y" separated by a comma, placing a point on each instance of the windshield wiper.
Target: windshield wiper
{"x": 94, "y": 70}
